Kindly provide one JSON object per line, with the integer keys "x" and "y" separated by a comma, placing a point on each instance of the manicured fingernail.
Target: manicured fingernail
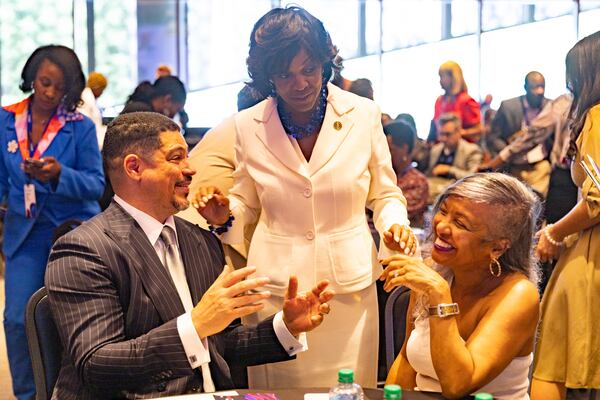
{"x": 406, "y": 250}
{"x": 204, "y": 199}
{"x": 402, "y": 245}
{"x": 397, "y": 239}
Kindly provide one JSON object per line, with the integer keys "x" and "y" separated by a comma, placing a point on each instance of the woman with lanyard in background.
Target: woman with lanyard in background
{"x": 51, "y": 171}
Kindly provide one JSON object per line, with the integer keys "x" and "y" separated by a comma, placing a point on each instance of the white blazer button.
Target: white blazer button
{"x": 307, "y": 192}
{"x": 310, "y": 235}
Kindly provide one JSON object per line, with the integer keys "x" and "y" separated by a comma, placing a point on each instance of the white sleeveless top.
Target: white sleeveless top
{"x": 512, "y": 383}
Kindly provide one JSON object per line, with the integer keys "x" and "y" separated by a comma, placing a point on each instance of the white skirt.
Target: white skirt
{"x": 347, "y": 338}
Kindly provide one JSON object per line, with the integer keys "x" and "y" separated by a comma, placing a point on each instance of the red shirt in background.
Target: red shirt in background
{"x": 463, "y": 105}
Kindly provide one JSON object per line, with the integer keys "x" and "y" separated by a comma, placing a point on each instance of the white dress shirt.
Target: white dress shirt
{"x": 195, "y": 348}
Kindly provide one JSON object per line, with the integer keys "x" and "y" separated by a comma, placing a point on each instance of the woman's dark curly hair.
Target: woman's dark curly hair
{"x": 278, "y": 36}
{"x": 69, "y": 64}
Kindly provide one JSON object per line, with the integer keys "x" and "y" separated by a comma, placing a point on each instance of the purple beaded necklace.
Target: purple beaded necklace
{"x": 316, "y": 119}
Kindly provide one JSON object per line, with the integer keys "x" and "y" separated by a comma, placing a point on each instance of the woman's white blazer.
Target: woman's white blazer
{"x": 311, "y": 215}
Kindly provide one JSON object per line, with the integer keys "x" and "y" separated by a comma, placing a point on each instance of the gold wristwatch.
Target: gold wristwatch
{"x": 444, "y": 310}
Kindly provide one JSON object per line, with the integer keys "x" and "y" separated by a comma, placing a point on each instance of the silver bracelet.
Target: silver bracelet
{"x": 553, "y": 241}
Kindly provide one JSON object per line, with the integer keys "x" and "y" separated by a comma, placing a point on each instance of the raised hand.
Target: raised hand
{"x": 304, "y": 312}
{"x": 415, "y": 274}
{"x": 400, "y": 238}
{"x": 228, "y": 299}
{"x": 212, "y": 205}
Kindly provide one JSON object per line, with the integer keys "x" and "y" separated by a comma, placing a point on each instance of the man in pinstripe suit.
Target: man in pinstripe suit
{"x": 123, "y": 295}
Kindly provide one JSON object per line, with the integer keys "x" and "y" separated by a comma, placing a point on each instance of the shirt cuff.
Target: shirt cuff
{"x": 195, "y": 349}
{"x": 292, "y": 345}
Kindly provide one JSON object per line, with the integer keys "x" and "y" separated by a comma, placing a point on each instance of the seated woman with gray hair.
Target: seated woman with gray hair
{"x": 474, "y": 305}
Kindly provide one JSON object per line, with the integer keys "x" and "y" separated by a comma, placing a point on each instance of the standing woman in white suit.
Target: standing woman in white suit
{"x": 310, "y": 158}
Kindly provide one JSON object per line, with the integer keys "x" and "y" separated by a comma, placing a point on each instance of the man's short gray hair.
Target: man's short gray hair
{"x": 449, "y": 117}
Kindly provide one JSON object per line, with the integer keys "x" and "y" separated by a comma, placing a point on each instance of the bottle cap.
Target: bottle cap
{"x": 345, "y": 375}
{"x": 484, "y": 396}
{"x": 392, "y": 392}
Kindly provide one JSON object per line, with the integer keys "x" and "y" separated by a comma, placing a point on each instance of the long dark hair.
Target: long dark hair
{"x": 278, "y": 36}
{"x": 583, "y": 80}
{"x": 69, "y": 64}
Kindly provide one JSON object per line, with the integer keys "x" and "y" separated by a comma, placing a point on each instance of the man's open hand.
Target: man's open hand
{"x": 227, "y": 299}
{"x": 304, "y": 312}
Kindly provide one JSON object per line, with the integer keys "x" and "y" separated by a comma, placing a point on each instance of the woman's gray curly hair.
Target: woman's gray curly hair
{"x": 518, "y": 209}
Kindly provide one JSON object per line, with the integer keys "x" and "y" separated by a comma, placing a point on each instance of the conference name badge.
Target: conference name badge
{"x": 30, "y": 204}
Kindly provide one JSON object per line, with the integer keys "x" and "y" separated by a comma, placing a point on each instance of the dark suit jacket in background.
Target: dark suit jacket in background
{"x": 507, "y": 121}
{"x": 116, "y": 308}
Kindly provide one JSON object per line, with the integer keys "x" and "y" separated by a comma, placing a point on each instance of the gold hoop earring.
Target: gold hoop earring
{"x": 498, "y": 267}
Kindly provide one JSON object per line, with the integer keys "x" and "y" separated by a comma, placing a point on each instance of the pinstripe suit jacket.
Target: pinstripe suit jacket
{"x": 116, "y": 306}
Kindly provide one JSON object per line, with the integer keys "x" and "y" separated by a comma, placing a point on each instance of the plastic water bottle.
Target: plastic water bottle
{"x": 346, "y": 389}
{"x": 392, "y": 392}
{"x": 483, "y": 396}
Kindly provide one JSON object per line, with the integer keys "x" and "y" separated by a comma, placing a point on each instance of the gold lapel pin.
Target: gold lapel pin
{"x": 337, "y": 125}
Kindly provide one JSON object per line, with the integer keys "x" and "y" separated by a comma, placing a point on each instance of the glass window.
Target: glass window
{"x": 502, "y": 13}
{"x": 218, "y": 39}
{"x": 588, "y": 4}
{"x": 503, "y": 68}
{"x": 115, "y": 44}
{"x": 340, "y": 18}
{"x": 552, "y": 8}
{"x": 80, "y": 31}
{"x": 411, "y": 80}
{"x": 373, "y": 24}
{"x": 589, "y": 22}
{"x": 465, "y": 17}
{"x": 24, "y": 26}
{"x": 411, "y": 22}
{"x": 206, "y": 108}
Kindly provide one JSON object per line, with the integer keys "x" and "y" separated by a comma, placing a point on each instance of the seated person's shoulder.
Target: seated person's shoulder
{"x": 81, "y": 229}
{"x": 472, "y": 147}
{"x": 517, "y": 292}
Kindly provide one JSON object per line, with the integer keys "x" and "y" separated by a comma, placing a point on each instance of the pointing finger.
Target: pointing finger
{"x": 292, "y": 290}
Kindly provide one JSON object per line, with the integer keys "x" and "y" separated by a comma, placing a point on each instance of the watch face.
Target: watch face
{"x": 444, "y": 310}
{"x": 447, "y": 309}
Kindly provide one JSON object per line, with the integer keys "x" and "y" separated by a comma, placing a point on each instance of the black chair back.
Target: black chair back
{"x": 396, "y": 307}
{"x": 45, "y": 347}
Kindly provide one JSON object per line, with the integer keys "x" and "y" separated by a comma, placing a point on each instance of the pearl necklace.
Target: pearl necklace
{"x": 316, "y": 119}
